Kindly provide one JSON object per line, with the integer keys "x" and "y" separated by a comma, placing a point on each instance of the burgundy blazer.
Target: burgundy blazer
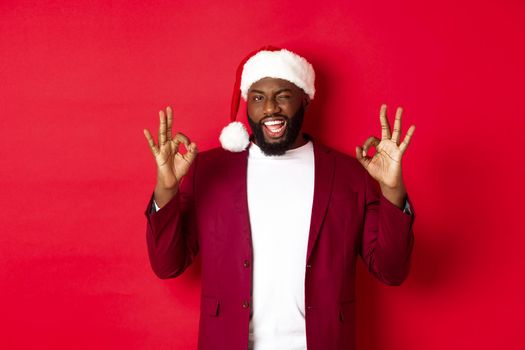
{"x": 209, "y": 215}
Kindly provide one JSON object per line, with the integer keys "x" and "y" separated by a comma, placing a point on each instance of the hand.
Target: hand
{"x": 385, "y": 164}
{"x": 171, "y": 164}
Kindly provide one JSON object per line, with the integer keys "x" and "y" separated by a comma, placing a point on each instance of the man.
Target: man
{"x": 278, "y": 225}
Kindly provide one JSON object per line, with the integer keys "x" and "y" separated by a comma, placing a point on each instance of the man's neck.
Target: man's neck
{"x": 299, "y": 141}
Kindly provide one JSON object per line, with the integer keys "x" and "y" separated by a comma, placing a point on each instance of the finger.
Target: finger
{"x": 169, "y": 112}
{"x": 192, "y": 152}
{"x": 371, "y": 141}
{"x": 174, "y": 146}
{"x": 154, "y": 150}
{"x": 406, "y": 140}
{"x": 162, "y": 129}
{"x": 181, "y": 138}
{"x": 385, "y": 126}
{"x": 359, "y": 156}
{"x": 397, "y": 126}
{"x": 193, "y": 148}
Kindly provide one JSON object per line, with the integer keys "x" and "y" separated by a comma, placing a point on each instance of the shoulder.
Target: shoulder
{"x": 220, "y": 154}
{"x": 217, "y": 152}
{"x": 218, "y": 161}
{"x": 342, "y": 160}
{"x": 347, "y": 171}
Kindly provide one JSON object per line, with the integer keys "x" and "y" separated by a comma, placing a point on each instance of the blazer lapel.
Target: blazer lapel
{"x": 238, "y": 183}
{"x": 324, "y": 176}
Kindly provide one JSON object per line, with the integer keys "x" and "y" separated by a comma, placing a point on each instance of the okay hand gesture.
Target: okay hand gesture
{"x": 385, "y": 164}
{"x": 172, "y": 165}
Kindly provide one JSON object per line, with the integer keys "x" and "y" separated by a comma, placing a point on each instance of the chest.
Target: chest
{"x": 280, "y": 190}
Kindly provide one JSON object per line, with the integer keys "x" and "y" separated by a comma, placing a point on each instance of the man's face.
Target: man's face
{"x": 275, "y": 114}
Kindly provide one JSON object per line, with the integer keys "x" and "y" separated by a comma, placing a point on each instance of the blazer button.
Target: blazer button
{"x": 245, "y": 304}
{"x": 246, "y": 263}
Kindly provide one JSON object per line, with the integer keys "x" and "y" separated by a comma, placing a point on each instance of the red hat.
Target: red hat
{"x": 266, "y": 62}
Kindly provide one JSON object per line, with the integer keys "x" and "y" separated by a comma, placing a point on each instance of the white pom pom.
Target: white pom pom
{"x": 234, "y": 137}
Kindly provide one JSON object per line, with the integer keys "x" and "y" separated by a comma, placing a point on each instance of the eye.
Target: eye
{"x": 284, "y": 97}
{"x": 257, "y": 98}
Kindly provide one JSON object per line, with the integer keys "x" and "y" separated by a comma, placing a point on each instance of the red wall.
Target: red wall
{"x": 79, "y": 80}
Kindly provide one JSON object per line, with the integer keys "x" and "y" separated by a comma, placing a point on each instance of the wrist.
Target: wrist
{"x": 162, "y": 195}
{"x": 396, "y": 195}
{"x": 166, "y": 183}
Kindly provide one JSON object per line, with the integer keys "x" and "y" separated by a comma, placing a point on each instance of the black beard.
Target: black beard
{"x": 293, "y": 128}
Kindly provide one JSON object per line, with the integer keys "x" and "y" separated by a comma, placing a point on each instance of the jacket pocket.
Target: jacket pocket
{"x": 347, "y": 311}
{"x": 210, "y": 306}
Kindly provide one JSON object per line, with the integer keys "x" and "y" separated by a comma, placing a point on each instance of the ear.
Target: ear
{"x": 306, "y": 101}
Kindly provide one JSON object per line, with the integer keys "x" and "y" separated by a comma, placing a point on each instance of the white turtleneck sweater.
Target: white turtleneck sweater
{"x": 280, "y": 197}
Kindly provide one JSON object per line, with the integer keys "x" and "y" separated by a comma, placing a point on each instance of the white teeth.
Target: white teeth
{"x": 273, "y": 122}
{"x": 275, "y": 126}
{"x": 275, "y": 131}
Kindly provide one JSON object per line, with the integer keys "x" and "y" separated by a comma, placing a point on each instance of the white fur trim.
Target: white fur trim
{"x": 234, "y": 137}
{"x": 281, "y": 64}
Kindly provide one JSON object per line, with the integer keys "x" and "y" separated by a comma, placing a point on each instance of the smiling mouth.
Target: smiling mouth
{"x": 274, "y": 127}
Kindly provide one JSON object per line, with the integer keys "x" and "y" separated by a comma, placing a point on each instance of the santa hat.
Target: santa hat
{"x": 267, "y": 62}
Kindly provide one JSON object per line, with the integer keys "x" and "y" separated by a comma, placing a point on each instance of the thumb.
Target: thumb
{"x": 359, "y": 156}
{"x": 191, "y": 152}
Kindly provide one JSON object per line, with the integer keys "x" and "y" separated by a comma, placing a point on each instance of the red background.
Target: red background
{"x": 79, "y": 80}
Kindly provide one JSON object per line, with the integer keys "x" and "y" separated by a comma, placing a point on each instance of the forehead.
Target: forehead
{"x": 273, "y": 84}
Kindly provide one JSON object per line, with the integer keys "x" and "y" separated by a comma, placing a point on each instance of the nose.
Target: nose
{"x": 271, "y": 106}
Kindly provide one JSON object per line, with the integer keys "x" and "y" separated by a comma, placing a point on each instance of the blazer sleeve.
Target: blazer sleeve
{"x": 171, "y": 232}
{"x": 388, "y": 238}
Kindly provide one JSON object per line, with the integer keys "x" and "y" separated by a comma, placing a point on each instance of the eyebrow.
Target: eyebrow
{"x": 277, "y": 92}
